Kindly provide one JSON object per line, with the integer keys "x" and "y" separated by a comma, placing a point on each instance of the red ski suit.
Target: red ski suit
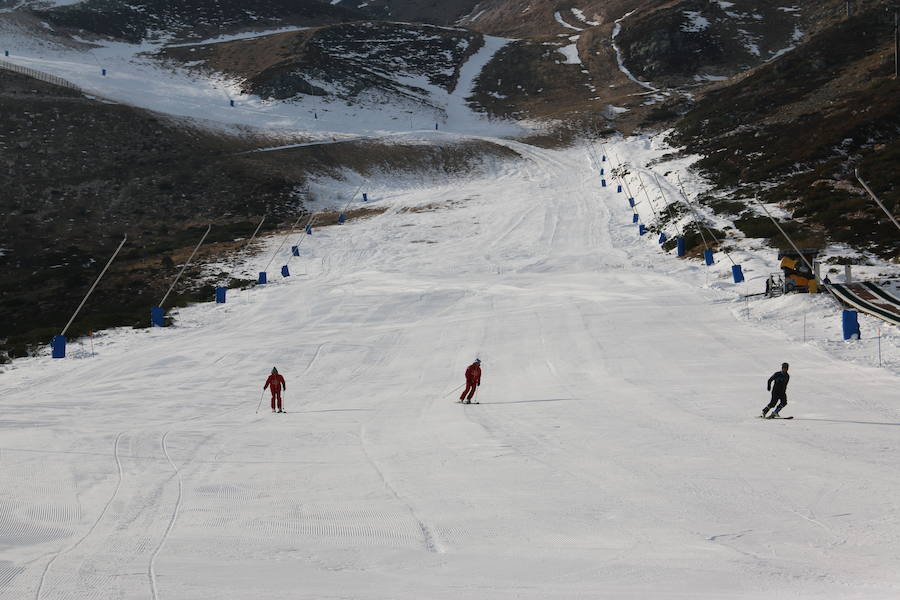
{"x": 473, "y": 380}
{"x": 275, "y": 382}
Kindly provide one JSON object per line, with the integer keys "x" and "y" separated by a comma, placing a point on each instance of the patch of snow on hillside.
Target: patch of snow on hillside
{"x": 696, "y": 22}
{"x": 615, "y": 33}
{"x": 562, "y": 22}
{"x": 571, "y": 53}
{"x": 581, "y": 17}
{"x": 247, "y": 35}
{"x": 795, "y": 37}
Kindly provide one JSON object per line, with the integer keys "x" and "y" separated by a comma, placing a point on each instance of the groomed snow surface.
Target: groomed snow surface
{"x": 615, "y": 452}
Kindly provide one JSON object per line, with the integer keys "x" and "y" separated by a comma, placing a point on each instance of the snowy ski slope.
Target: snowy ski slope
{"x": 615, "y": 452}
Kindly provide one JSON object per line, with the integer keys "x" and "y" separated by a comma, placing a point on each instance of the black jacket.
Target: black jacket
{"x": 780, "y": 379}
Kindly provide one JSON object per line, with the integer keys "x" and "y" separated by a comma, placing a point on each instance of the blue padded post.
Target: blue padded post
{"x": 58, "y": 343}
{"x": 850, "y": 321}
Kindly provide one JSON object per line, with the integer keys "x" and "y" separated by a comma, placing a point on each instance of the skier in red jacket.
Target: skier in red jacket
{"x": 275, "y": 382}
{"x": 473, "y": 380}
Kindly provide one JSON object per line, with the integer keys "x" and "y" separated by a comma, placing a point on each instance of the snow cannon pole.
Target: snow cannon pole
{"x": 346, "y": 206}
{"x": 622, "y": 177}
{"x": 662, "y": 197}
{"x": 691, "y": 208}
{"x": 281, "y": 245}
{"x": 700, "y": 219}
{"x": 649, "y": 201}
{"x": 786, "y": 236}
{"x": 222, "y": 289}
{"x": 185, "y": 265}
{"x": 311, "y": 221}
{"x": 877, "y": 201}
{"x": 250, "y": 241}
{"x": 59, "y": 341}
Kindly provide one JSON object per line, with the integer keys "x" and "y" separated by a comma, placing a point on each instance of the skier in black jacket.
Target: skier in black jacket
{"x": 779, "y": 391}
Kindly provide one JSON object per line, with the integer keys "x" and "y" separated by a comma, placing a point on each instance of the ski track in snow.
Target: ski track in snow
{"x": 614, "y": 450}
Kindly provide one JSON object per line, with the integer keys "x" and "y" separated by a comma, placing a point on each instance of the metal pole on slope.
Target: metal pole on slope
{"x": 261, "y": 394}
{"x": 309, "y": 223}
{"x": 197, "y": 247}
{"x": 248, "y": 242}
{"x": 281, "y": 245}
{"x": 649, "y": 201}
{"x": 687, "y": 203}
{"x": 627, "y": 187}
{"x": 786, "y": 236}
{"x": 663, "y": 198}
{"x": 877, "y": 201}
{"x": 90, "y": 291}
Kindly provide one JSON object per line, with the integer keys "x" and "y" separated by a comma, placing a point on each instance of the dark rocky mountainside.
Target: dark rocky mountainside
{"x": 345, "y": 61}
{"x": 195, "y": 19}
{"x": 796, "y": 128}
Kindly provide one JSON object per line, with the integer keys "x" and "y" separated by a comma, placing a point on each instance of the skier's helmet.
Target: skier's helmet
{"x": 274, "y": 370}
{"x": 784, "y": 365}
{"x": 477, "y": 361}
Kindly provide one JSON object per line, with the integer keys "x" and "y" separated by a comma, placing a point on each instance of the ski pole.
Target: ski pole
{"x": 261, "y": 394}
{"x": 456, "y": 389}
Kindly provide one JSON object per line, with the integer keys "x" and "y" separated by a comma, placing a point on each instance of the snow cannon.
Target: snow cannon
{"x": 796, "y": 272}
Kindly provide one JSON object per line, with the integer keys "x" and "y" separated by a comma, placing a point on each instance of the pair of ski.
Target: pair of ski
{"x": 467, "y": 402}
{"x": 773, "y": 418}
